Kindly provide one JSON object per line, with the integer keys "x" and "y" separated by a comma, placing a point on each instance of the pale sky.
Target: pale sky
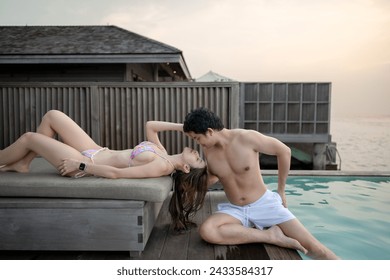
{"x": 339, "y": 41}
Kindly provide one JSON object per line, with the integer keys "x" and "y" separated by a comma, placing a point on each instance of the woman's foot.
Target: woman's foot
{"x": 15, "y": 167}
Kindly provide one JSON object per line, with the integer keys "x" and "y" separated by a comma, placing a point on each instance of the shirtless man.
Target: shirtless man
{"x": 233, "y": 159}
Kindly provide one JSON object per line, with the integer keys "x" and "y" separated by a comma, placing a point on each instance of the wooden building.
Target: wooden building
{"x": 86, "y": 53}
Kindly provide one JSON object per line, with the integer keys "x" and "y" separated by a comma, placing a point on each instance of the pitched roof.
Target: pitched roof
{"x": 84, "y": 44}
{"x": 213, "y": 77}
{"x": 77, "y": 40}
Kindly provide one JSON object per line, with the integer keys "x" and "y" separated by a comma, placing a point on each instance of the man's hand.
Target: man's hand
{"x": 283, "y": 196}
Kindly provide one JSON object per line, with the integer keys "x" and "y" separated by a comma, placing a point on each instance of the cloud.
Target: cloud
{"x": 343, "y": 42}
{"x": 138, "y": 18}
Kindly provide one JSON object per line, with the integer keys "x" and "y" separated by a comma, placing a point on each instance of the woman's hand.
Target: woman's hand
{"x": 68, "y": 165}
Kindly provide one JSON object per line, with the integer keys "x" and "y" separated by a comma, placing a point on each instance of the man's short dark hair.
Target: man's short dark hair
{"x": 201, "y": 119}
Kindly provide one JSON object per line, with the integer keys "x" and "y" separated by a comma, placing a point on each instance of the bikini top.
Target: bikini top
{"x": 146, "y": 146}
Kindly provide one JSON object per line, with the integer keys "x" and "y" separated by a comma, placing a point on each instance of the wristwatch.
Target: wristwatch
{"x": 82, "y": 166}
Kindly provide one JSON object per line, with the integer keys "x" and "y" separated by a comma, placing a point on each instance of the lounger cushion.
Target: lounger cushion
{"x": 43, "y": 180}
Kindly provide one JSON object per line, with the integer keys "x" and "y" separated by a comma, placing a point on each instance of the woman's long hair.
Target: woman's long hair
{"x": 189, "y": 191}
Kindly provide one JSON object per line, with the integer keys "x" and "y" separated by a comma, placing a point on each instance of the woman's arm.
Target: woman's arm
{"x": 150, "y": 170}
{"x": 153, "y": 127}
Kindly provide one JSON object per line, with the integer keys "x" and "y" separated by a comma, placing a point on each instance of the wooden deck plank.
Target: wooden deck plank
{"x": 175, "y": 247}
{"x": 172, "y": 241}
{"x": 198, "y": 249}
{"x": 278, "y": 253}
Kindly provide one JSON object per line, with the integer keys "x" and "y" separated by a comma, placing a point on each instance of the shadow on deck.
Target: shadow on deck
{"x": 164, "y": 244}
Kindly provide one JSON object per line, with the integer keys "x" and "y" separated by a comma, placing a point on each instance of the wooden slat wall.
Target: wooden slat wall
{"x": 114, "y": 114}
{"x": 125, "y": 110}
{"x": 22, "y": 108}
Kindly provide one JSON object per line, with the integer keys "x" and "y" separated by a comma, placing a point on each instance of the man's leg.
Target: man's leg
{"x": 316, "y": 250}
{"x": 224, "y": 229}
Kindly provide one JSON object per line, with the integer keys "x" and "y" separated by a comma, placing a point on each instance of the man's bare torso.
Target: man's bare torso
{"x": 236, "y": 164}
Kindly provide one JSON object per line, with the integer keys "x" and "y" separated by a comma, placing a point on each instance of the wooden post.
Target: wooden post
{"x": 95, "y": 115}
{"x": 319, "y": 156}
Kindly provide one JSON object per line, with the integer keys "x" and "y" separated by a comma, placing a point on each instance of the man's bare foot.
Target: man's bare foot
{"x": 278, "y": 238}
{"x": 15, "y": 167}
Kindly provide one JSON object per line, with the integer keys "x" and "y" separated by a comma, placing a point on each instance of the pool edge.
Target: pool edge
{"x": 329, "y": 173}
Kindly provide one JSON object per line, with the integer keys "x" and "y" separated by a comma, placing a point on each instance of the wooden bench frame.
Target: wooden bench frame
{"x": 77, "y": 223}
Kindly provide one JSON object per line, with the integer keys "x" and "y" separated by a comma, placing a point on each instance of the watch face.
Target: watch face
{"x": 82, "y": 166}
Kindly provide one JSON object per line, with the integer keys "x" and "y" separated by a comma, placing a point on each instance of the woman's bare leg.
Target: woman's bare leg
{"x": 56, "y": 123}
{"x": 52, "y": 150}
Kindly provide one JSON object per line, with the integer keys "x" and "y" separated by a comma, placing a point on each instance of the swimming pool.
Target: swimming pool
{"x": 350, "y": 215}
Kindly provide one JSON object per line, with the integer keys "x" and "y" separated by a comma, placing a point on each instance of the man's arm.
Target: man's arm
{"x": 284, "y": 159}
{"x": 272, "y": 146}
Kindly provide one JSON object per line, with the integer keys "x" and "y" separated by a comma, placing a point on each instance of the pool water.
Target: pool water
{"x": 350, "y": 215}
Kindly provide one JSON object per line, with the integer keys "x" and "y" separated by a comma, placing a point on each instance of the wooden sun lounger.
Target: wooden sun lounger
{"x": 41, "y": 210}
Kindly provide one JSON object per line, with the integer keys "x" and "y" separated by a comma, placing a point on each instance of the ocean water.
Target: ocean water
{"x": 363, "y": 143}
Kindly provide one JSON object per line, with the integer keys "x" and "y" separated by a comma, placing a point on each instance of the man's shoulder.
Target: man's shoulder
{"x": 240, "y": 132}
{"x": 245, "y": 137}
